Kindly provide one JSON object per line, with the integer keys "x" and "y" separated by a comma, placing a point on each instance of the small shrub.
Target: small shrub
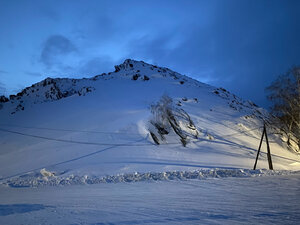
{"x": 146, "y": 78}
{"x": 135, "y": 77}
{"x": 3, "y": 99}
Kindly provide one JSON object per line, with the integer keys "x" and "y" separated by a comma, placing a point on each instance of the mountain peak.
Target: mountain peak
{"x": 134, "y": 67}
{"x": 130, "y": 64}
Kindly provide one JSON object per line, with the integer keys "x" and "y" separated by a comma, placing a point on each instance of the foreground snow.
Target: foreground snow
{"x": 250, "y": 200}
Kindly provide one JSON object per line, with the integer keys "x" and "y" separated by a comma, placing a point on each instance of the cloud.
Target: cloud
{"x": 242, "y": 47}
{"x": 33, "y": 74}
{"x": 3, "y": 72}
{"x": 55, "y": 47}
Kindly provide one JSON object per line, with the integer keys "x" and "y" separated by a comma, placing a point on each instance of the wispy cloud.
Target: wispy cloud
{"x": 55, "y": 47}
{"x": 3, "y": 72}
{"x": 33, "y": 74}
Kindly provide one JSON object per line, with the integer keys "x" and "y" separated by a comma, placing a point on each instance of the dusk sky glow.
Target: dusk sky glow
{"x": 239, "y": 45}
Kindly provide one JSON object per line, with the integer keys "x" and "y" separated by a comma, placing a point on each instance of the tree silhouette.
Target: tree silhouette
{"x": 284, "y": 93}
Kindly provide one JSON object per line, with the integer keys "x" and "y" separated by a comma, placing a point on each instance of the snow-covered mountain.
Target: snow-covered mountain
{"x": 100, "y": 126}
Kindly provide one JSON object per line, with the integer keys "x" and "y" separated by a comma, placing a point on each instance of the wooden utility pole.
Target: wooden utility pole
{"x": 268, "y": 149}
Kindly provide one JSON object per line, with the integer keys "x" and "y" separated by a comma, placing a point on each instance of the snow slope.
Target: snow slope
{"x": 97, "y": 127}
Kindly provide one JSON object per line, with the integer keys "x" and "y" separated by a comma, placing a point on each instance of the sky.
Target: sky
{"x": 241, "y": 45}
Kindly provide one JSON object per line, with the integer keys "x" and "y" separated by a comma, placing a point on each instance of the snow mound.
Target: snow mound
{"x": 38, "y": 179}
{"x": 46, "y": 173}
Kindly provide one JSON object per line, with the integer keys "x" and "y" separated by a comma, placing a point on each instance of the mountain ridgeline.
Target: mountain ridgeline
{"x": 53, "y": 89}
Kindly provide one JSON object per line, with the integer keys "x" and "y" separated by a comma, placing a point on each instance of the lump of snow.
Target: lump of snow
{"x": 209, "y": 137}
{"x": 184, "y": 99}
{"x": 46, "y": 173}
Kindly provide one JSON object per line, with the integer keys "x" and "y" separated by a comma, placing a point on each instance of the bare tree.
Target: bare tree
{"x": 284, "y": 93}
{"x": 167, "y": 117}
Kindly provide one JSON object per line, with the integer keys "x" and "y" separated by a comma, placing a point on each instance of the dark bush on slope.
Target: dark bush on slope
{"x": 167, "y": 118}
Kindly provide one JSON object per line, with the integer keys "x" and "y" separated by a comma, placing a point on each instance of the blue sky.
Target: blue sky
{"x": 239, "y": 45}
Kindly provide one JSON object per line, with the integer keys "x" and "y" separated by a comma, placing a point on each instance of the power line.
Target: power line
{"x": 74, "y": 142}
{"x": 111, "y": 146}
{"x": 104, "y": 132}
{"x": 100, "y": 144}
{"x": 241, "y": 132}
{"x": 67, "y": 130}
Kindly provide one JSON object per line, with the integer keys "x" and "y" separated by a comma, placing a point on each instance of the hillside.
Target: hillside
{"x": 98, "y": 127}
